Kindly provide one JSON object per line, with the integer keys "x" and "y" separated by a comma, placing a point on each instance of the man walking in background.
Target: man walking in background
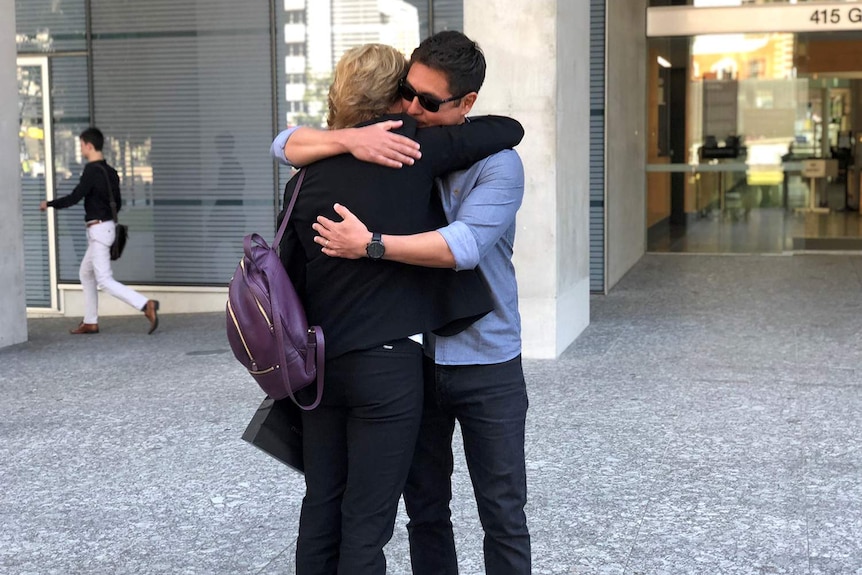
{"x": 98, "y": 181}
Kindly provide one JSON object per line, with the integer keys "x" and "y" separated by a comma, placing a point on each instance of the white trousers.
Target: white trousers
{"x": 96, "y": 273}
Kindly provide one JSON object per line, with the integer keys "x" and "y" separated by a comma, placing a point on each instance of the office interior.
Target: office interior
{"x": 754, "y": 143}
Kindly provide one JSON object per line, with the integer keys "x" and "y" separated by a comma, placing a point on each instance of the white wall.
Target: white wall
{"x": 13, "y": 318}
{"x": 538, "y": 72}
{"x": 625, "y": 121}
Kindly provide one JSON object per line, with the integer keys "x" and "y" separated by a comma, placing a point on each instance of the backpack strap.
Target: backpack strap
{"x": 289, "y": 209}
{"x": 316, "y": 343}
{"x": 315, "y": 337}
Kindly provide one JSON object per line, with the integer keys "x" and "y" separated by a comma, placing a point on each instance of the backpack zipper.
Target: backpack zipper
{"x": 241, "y": 338}
{"x": 259, "y": 306}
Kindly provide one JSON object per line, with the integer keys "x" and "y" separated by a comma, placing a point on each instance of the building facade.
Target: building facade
{"x": 190, "y": 93}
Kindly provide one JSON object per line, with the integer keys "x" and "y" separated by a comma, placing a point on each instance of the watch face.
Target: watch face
{"x": 375, "y": 250}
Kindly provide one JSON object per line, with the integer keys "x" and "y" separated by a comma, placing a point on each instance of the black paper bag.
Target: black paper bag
{"x": 276, "y": 428}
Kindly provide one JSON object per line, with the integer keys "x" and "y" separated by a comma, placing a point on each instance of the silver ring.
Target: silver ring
{"x": 326, "y": 245}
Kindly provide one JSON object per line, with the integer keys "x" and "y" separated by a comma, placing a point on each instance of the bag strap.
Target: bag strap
{"x": 111, "y": 199}
{"x": 316, "y": 344}
{"x": 289, "y": 208}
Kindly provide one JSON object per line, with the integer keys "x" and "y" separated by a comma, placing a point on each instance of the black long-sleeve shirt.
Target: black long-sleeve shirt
{"x": 363, "y": 303}
{"x": 93, "y": 190}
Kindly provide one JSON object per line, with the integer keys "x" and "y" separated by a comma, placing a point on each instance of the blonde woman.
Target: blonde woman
{"x": 359, "y": 441}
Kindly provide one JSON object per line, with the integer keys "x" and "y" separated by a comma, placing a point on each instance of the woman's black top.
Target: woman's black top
{"x": 363, "y": 303}
{"x": 93, "y": 190}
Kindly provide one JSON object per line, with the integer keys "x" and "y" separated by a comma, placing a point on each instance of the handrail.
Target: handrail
{"x": 725, "y": 167}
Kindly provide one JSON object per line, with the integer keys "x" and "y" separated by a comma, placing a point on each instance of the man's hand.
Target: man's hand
{"x": 344, "y": 239}
{"x": 349, "y": 237}
{"x": 43, "y": 205}
{"x": 377, "y": 144}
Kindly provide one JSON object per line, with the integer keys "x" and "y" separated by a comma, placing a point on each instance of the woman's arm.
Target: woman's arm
{"x": 375, "y": 143}
{"x": 451, "y": 148}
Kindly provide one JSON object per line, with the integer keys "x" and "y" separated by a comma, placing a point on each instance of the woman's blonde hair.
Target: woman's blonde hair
{"x": 365, "y": 84}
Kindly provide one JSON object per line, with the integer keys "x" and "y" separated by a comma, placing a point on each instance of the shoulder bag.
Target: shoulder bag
{"x": 122, "y": 233}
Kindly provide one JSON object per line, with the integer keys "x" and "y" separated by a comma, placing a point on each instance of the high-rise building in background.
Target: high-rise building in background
{"x": 337, "y": 26}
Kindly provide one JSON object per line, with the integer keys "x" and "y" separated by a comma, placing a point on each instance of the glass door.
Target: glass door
{"x": 37, "y": 182}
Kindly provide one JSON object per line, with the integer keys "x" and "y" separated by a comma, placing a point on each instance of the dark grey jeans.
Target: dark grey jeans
{"x": 490, "y": 403}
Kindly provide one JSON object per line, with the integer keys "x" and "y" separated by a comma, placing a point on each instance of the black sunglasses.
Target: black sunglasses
{"x": 430, "y": 103}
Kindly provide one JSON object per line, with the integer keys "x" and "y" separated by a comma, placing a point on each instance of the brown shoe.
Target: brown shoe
{"x": 85, "y": 328}
{"x": 151, "y": 312}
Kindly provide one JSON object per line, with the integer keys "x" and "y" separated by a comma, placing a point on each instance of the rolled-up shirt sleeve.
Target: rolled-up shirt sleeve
{"x": 487, "y": 211}
{"x": 276, "y": 150}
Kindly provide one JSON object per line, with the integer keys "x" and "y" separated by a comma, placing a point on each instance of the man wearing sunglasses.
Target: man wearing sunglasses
{"x": 474, "y": 377}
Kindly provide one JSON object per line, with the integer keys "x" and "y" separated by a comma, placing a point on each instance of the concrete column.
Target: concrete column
{"x": 538, "y": 57}
{"x": 13, "y": 316}
{"x": 625, "y": 125}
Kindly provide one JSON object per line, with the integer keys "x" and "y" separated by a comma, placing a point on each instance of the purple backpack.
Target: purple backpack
{"x": 266, "y": 324}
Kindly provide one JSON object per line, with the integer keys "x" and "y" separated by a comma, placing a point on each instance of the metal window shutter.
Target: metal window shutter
{"x": 183, "y": 92}
{"x": 597, "y": 145}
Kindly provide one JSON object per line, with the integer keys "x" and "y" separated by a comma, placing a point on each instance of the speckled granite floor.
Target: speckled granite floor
{"x": 706, "y": 422}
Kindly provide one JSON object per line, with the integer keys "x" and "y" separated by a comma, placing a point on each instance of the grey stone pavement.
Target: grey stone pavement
{"x": 708, "y": 421}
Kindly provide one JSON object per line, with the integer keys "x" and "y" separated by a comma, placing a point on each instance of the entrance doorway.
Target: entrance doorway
{"x": 770, "y": 126}
{"x": 37, "y": 182}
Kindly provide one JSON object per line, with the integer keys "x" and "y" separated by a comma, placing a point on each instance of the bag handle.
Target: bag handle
{"x": 111, "y": 199}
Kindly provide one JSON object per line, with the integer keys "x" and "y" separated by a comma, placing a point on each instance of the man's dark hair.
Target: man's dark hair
{"x": 457, "y": 56}
{"x": 93, "y": 136}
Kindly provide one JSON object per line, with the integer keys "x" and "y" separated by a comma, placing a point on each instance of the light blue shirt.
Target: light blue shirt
{"x": 481, "y": 203}
{"x": 276, "y": 150}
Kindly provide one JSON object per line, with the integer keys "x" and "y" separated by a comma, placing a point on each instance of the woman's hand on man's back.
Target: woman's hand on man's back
{"x": 378, "y": 144}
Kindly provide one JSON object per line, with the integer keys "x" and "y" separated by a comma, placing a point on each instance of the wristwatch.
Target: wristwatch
{"x": 375, "y": 248}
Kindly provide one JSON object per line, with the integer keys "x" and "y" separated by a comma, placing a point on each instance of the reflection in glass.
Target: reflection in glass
{"x": 172, "y": 83}
{"x": 70, "y": 117}
{"x": 35, "y": 167}
{"x": 44, "y": 26}
{"x": 187, "y": 99}
{"x": 316, "y": 35}
{"x": 748, "y": 111}
{"x": 312, "y": 36}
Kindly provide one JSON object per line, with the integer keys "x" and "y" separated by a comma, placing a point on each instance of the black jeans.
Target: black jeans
{"x": 358, "y": 446}
{"x": 490, "y": 404}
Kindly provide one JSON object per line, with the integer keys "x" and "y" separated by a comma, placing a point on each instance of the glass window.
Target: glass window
{"x": 50, "y": 25}
{"x": 711, "y": 3}
{"x": 448, "y": 15}
{"x": 186, "y": 103}
{"x": 71, "y": 116}
{"x": 185, "y": 99}
{"x": 744, "y": 117}
{"x": 295, "y": 49}
{"x": 294, "y": 16}
{"x": 314, "y": 35}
